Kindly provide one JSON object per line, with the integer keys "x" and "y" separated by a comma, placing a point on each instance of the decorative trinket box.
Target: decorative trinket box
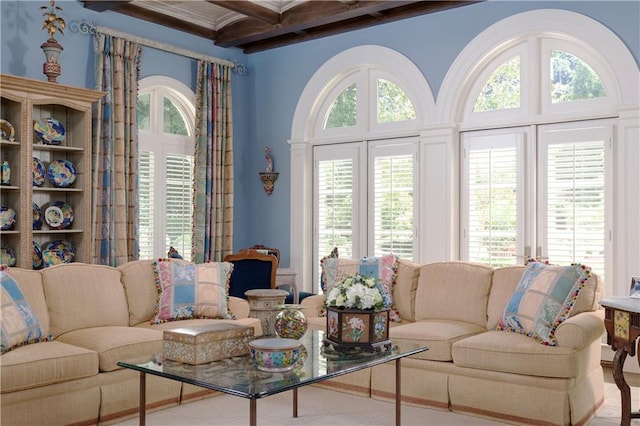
{"x": 206, "y": 343}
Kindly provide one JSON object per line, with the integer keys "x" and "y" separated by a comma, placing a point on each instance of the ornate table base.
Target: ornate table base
{"x": 622, "y": 321}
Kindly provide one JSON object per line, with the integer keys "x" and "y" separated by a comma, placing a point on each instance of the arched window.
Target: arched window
{"x": 363, "y": 144}
{"x": 166, "y": 143}
{"x": 537, "y": 141}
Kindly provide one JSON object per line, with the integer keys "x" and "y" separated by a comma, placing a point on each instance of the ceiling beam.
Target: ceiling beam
{"x": 101, "y": 6}
{"x": 299, "y": 18}
{"x": 265, "y": 29}
{"x": 250, "y": 9}
{"x": 352, "y": 24}
{"x": 129, "y": 9}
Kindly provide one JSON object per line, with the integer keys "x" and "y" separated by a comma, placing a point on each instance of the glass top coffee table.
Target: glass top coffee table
{"x": 238, "y": 376}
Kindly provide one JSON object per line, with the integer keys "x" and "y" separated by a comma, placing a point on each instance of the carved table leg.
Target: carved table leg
{"x": 625, "y": 391}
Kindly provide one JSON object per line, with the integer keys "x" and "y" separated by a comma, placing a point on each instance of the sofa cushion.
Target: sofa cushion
{"x": 519, "y": 354}
{"x": 188, "y": 290}
{"x": 115, "y": 343}
{"x": 138, "y": 279}
{"x": 83, "y": 296}
{"x": 20, "y": 324}
{"x": 437, "y": 335}
{"x": 44, "y": 364}
{"x": 404, "y": 290}
{"x": 454, "y": 290}
{"x": 543, "y": 299}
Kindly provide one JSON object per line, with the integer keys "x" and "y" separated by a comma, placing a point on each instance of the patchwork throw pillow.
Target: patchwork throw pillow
{"x": 335, "y": 269}
{"x": 385, "y": 269}
{"x": 543, "y": 299}
{"x": 20, "y": 325}
{"x": 323, "y": 266}
{"x": 188, "y": 290}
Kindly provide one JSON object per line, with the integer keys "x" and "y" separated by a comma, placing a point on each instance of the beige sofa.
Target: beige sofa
{"x": 470, "y": 367}
{"x": 97, "y": 316}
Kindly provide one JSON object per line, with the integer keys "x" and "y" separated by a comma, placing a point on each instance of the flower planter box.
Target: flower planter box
{"x": 354, "y": 328}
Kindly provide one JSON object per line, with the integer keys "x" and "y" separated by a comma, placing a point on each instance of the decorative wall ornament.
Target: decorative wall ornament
{"x": 268, "y": 177}
{"x": 52, "y": 24}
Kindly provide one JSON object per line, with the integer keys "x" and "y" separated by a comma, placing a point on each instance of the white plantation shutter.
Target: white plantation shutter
{"x": 492, "y": 197}
{"x": 179, "y": 202}
{"x": 365, "y": 198}
{"x": 572, "y": 187}
{"x": 392, "y": 179}
{"x": 166, "y": 147}
{"x": 146, "y": 165}
{"x": 335, "y": 201}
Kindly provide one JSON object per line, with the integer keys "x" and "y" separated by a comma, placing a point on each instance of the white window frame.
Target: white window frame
{"x": 307, "y": 133}
{"x": 521, "y": 140}
{"x": 617, "y": 69}
{"x": 161, "y": 143}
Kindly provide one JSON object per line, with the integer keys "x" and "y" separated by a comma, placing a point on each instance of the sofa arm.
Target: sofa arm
{"x": 313, "y": 305}
{"x": 239, "y": 307}
{"x": 580, "y": 330}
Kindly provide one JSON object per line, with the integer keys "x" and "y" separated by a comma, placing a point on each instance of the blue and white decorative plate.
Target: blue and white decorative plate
{"x": 62, "y": 173}
{"x": 37, "y": 261}
{"x": 50, "y": 131}
{"x": 63, "y": 250}
{"x": 7, "y": 132}
{"x": 38, "y": 172}
{"x": 58, "y": 214}
{"x": 37, "y": 217}
{"x": 7, "y": 256}
{"x": 7, "y": 218}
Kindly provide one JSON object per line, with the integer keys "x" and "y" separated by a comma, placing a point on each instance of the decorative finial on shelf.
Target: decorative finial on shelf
{"x": 52, "y": 24}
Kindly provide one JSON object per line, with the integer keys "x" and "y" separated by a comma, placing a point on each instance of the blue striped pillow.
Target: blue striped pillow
{"x": 20, "y": 325}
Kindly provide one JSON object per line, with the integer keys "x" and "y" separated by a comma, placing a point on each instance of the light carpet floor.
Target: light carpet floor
{"x": 318, "y": 406}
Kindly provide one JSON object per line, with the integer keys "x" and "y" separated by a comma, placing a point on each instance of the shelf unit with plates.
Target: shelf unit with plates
{"x": 50, "y": 161}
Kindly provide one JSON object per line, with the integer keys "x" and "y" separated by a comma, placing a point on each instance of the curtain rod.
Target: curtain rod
{"x": 88, "y": 28}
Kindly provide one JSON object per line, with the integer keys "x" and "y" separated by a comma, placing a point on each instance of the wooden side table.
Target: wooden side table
{"x": 263, "y": 304}
{"x": 622, "y": 321}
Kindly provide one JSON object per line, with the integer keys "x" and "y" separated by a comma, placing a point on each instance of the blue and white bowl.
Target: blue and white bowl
{"x": 7, "y": 256}
{"x": 7, "y": 218}
{"x": 62, "y": 173}
{"x": 50, "y": 131}
{"x": 58, "y": 214}
{"x": 37, "y": 217}
{"x": 276, "y": 354}
{"x": 37, "y": 261}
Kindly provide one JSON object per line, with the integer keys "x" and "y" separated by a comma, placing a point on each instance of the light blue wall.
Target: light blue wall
{"x": 264, "y": 101}
{"x": 432, "y": 42}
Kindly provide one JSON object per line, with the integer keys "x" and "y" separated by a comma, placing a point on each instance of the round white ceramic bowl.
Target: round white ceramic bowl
{"x": 275, "y": 354}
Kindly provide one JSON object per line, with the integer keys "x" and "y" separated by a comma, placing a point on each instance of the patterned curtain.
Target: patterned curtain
{"x": 213, "y": 187}
{"x": 115, "y": 152}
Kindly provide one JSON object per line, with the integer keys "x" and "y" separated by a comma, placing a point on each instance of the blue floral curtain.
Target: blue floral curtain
{"x": 213, "y": 186}
{"x": 115, "y": 152}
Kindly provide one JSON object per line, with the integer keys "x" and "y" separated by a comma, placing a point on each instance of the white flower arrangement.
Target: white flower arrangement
{"x": 359, "y": 292}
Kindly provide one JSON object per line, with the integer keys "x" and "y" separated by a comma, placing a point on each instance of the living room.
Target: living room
{"x": 437, "y": 53}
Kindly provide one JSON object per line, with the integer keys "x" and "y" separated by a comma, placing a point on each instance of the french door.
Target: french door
{"x": 365, "y": 195}
{"x": 537, "y": 191}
